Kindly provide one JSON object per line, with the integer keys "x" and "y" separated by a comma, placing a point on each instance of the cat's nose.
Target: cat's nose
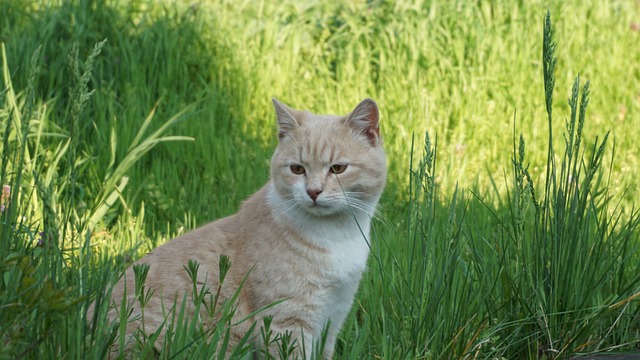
{"x": 314, "y": 193}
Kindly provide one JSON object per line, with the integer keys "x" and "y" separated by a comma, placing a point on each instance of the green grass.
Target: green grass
{"x": 486, "y": 248}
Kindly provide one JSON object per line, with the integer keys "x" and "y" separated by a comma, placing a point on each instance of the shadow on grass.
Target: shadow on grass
{"x": 155, "y": 54}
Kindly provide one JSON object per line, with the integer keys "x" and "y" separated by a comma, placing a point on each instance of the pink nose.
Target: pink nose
{"x": 314, "y": 193}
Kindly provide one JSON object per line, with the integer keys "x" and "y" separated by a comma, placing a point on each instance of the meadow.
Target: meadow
{"x": 509, "y": 226}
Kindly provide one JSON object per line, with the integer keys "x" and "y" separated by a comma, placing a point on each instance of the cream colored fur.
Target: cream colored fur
{"x": 302, "y": 238}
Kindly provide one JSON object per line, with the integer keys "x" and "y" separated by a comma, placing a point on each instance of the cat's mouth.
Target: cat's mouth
{"x": 316, "y": 205}
{"x": 319, "y": 209}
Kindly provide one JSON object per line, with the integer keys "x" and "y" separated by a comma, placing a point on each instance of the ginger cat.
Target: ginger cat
{"x": 302, "y": 239}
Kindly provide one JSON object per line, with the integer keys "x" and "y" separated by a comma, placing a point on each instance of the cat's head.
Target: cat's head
{"x": 328, "y": 165}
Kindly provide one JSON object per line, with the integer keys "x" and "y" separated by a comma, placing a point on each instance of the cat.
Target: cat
{"x": 303, "y": 239}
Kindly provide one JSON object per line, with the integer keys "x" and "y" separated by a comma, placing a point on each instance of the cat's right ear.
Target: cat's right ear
{"x": 286, "y": 121}
{"x": 365, "y": 120}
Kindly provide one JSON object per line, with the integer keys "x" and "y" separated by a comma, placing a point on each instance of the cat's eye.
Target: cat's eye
{"x": 338, "y": 168}
{"x": 297, "y": 169}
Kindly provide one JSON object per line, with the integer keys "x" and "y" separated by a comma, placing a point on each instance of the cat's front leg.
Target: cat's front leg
{"x": 309, "y": 347}
{"x": 305, "y": 344}
{"x": 297, "y": 342}
{"x": 328, "y": 348}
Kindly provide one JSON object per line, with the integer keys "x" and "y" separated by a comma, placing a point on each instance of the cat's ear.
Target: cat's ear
{"x": 364, "y": 119}
{"x": 286, "y": 121}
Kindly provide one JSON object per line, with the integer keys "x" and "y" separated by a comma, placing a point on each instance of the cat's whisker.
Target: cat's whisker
{"x": 354, "y": 198}
{"x": 366, "y": 207}
{"x": 358, "y": 205}
{"x": 284, "y": 207}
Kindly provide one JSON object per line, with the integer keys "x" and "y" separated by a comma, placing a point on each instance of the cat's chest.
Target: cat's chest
{"x": 347, "y": 260}
{"x": 344, "y": 265}
{"x": 342, "y": 251}
{"x": 323, "y": 265}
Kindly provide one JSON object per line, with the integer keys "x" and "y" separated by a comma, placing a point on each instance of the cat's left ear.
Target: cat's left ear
{"x": 286, "y": 121}
{"x": 364, "y": 119}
